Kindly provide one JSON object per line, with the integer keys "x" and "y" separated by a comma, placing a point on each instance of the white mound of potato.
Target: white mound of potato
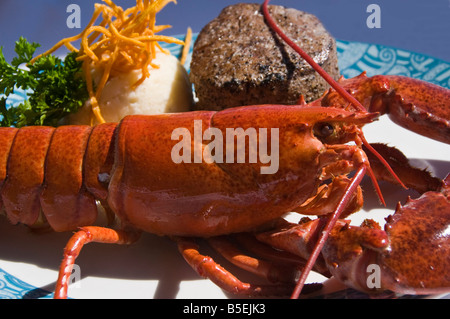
{"x": 166, "y": 90}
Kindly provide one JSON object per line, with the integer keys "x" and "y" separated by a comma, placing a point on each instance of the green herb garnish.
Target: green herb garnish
{"x": 55, "y": 88}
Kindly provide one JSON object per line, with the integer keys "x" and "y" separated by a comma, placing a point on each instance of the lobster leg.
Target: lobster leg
{"x": 268, "y": 270}
{"x": 328, "y": 198}
{"x": 205, "y": 266}
{"x": 251, "y": 244}
{"x": 73, "y": 248}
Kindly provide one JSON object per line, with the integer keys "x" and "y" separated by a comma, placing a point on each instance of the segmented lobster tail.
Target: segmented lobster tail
{"x": 51, "y": 174}
{"x": 6, "y": 139}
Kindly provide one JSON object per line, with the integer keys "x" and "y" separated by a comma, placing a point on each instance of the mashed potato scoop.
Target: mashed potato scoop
{"x": 166, "y": 90}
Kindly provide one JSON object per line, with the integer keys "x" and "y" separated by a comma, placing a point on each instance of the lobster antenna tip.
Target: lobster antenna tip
{"x": 377, "y": 187}
{"x": 385, "y": 164}
{"x": 301, "y": 100}
{"x": 273, "y": 25}
{"x": 326, "y": 230}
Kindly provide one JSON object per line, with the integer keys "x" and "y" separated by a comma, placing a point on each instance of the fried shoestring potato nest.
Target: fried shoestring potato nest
{"x": 124, "y": 40}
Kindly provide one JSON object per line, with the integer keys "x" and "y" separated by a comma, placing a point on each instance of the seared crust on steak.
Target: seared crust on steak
{"x": 237, "y": 59}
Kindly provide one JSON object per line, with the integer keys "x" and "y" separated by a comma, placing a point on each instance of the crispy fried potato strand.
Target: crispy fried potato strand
{"x": 123, "y": 41}
{"x": 187, "y": 44}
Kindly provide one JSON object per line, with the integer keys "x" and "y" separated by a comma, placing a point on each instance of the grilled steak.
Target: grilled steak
{"x": 238, "y": 60}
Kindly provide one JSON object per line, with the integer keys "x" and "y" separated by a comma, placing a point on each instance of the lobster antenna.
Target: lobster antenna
{"x": 311, "y": 62}
{"x": 377, "y": 187}
{"x": 335, "y": 86}
{"x": 331, "y": 222}
{"x": 383, "y": 161}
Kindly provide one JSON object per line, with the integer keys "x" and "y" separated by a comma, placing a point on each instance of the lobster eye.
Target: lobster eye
{"x": 323, "y": 129}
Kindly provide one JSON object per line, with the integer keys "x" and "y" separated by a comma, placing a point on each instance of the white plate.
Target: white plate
{"x": 153, "y": 268}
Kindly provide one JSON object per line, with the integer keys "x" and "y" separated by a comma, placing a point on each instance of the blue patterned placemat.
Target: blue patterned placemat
{"x": 13, "y": 288}
{"x": 356, "y": 57}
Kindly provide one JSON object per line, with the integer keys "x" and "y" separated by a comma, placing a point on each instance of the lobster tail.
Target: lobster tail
{"x": 64, "y": 200}
{"x": 99, "y": 159}
{"x": 25, "y": 174}
{"x": 52, "y": 173}
{"x": 6, "y": 139}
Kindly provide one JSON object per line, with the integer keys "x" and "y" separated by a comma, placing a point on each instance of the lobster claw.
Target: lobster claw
{"x": 419, "y": 106}
{"x": 416, "y": 105}
{"x": 418, "y": 258}
{"x": 410, "y": 256}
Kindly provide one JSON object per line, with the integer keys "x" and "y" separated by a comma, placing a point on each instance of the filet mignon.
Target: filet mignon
{"x": 238, "y": 60}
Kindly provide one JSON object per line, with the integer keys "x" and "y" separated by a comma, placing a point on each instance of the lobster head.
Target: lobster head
{"x": 148, "y": 175}
{"x": 304, "y": 132}
{"x": 309, "y": 146}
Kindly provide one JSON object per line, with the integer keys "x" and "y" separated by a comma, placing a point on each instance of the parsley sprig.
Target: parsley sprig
{"x": 55, "y": 88}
